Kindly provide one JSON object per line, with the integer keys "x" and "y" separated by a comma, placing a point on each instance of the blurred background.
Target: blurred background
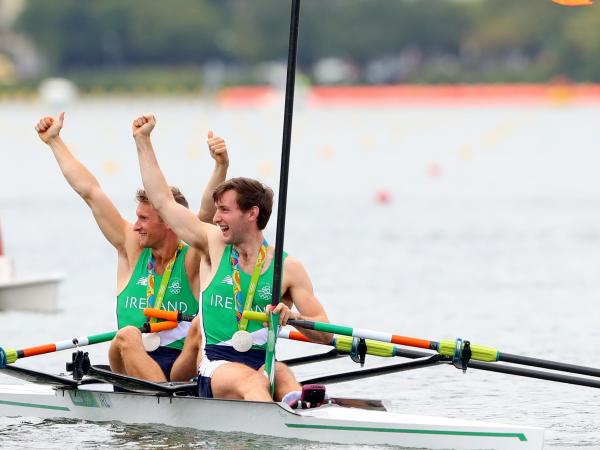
{"x": 202, "y": 46}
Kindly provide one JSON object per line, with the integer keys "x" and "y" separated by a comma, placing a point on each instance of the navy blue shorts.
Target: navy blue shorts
{"x": 165, "y": 358}
{"x": 216, "y": 355}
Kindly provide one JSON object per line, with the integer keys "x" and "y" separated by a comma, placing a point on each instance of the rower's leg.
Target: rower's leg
{"x": 238, "y": 381}
{"x": 128, "y": 356}
{"x": 186, "y": 365}
{"x": 285, "y": 381}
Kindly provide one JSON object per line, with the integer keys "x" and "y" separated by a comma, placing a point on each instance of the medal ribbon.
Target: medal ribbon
{"x": 156, "y": 302}
{"x": 237, "y": 285}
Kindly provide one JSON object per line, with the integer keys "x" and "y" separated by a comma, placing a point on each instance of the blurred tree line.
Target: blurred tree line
{"x": 383, "y": 41}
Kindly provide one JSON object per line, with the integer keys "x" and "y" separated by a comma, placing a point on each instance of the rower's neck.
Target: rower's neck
{"x": 164, "y": 252}
{"x": 249, "y": 247}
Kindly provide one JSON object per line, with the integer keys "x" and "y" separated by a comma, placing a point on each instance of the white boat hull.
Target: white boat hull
{"x": 36, "y": 294}
{"x": 330, "y": 423}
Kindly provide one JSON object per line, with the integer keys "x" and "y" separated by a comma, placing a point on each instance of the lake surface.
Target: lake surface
{"x": 433, "y": 222}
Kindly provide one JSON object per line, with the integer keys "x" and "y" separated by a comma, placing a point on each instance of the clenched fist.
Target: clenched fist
{"x": 143, "y": 126}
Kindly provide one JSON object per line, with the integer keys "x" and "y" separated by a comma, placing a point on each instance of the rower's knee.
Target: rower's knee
{"x": 254, "y": 382}
{"x": 127, "y": 338}
{"x": 284, "y": 373}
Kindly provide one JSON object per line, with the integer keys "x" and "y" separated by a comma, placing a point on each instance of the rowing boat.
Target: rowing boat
{"x": 343, "y": 421}
{"x": 89, "y": 392}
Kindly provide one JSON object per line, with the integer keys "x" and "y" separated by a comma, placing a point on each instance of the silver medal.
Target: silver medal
{"x": 242, "y": 341}
{"x": 151, "y": 341}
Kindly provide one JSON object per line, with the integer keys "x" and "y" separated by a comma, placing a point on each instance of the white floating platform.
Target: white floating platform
{"x": 32, "y": 294}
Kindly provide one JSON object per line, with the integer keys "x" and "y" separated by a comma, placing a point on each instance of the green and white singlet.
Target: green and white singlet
{"x": 178, "y": 296}
{"x": 219, "y": 321}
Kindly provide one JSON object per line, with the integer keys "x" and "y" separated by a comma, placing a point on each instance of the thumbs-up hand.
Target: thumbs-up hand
{"x": 49, "y": 128}
{"x": 217, "y": 148}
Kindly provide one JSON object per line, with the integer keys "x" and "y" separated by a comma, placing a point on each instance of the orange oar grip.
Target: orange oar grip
{"x": 162, "y": 326}
{"x": 161, "y": 314}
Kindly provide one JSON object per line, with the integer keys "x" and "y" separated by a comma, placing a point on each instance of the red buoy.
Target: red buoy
{"x": 383, "y": 196}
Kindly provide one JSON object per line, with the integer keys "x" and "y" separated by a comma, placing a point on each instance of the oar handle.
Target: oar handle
{"x": 158, "y": 326}
{"x": 255, "y": 315}
{"x": 174, "y": 316}
{"x": 264, "y": 317}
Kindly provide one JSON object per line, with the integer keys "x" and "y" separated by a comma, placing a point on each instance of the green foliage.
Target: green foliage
{"x": 454, "y": 40}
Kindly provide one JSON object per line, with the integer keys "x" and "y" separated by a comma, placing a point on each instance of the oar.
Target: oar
{"x": 331, "y": 354}
{"x": 456, "y": 349}
{"x": 431, "y": 360}
{"x": 9, "y": 355}
{"x": 343, "y": 344}
{"x": 283, "y": 187}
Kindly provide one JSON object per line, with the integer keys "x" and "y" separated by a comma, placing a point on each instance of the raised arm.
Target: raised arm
{"x": 218, "y": 151}
{"x": 108, "y": 218}
{"x": 181, "y": 220}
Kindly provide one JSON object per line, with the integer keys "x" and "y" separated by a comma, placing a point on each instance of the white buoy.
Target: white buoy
{"x": 57, "y": 91}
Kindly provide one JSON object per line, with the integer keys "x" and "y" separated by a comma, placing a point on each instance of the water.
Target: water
{"x": 492, "y": 233}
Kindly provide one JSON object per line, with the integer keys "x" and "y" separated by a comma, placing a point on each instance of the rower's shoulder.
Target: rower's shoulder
{"x": 293, "y": 266}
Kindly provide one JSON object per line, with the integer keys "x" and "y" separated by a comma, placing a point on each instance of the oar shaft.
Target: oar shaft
{"x": 431, "y": 360}
{"x": 331, "y": 354}
{"x": 546, "y": 364}
{"x": 288, "y": 112}
{"x": 379, "y": 348}
{"x": 363, "y": 333}
{"x": 479, "y": 353}
{"x": 348, "y": 331}
{"x": 511, "y": 370}
{"x": 531, "y": 373}
{"x": 66, "y": 344}
{"x": 12, "y": 355}
{"x": 344, "y": 343}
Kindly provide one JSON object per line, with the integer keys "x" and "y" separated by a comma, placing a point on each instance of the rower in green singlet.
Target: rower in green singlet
{"x": 145, "y": 251}
{"x": 243, "y": 208}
